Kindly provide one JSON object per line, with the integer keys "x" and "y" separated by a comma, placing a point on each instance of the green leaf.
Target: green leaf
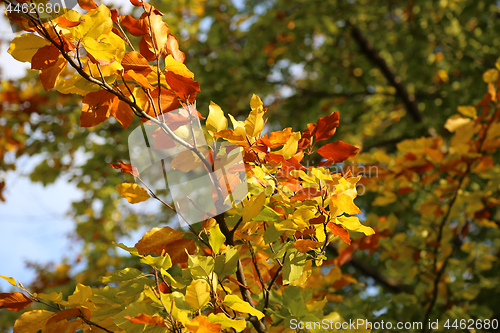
{"x": 159, "y": 262}
{"x": 271, "y": 234}
{"x": 293, "y": 266}
{"x": 225, "y": 264}
{"x": 216, "y": 238}
{"x": 52, "y": 297}
{"x": 125, "y": 274}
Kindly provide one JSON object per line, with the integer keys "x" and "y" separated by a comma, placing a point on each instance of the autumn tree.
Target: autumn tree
{"x": 430, "y": 199}
{"x": 228, "y": 271}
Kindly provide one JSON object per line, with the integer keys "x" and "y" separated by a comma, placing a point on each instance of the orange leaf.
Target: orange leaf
{"x": 69, "y": 313}
{"x": 124, "y": 167}
{"x": 169, "y": 240}
{"x": 136, "y": 62}
{"x": 183, "y": 87}
{"x": 135, "y": 27}
{"x": 136, "y": 3}
{"x": 87, "y": 4}
{"x": 143, "y": 318}
{"x": 45, "y": 57}
{"x": 96, "y": 108}
{"x": 139, "y": 78}
{"x": 345, "y": 204}
{"x": 173, "y": 48}
{"x": 229, "y": 135}
{"x": 201, "y": 324}
{"x": 338, "y": 151}
{"x": 326, "y": 126}
{"x": 14, "y": 301}
{"x": 276, "y": 139}
{"x": 304, "y": 245}
{"x": 48, "y": 76}
{"x": 65, "y": 23}
{"x": 338, "y": 230}
{"x": 160, "y": 32}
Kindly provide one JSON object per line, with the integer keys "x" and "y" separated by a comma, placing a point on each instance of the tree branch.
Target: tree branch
{"x": 373, "y": 55}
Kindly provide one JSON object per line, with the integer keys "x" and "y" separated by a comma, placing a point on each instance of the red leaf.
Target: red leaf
{"x": 136, "y": 3}
{"x": 326, "y": 127}
{"x": 338, "y": 230}
{"x": 183, "y": 87}
{"x": 338, "y": 151}
{"x": 14, "y": 301}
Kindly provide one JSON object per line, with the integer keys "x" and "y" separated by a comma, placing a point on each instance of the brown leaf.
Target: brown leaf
{"x": 14, "y": 301}
{"x": 338, "y": 151}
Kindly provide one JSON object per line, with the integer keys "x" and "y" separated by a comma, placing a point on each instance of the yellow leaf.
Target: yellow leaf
{"x": 99, "y": 50}
{"x": 255, "y": 103}
{"x": 32, "y": 322}
{"x": 198, "y": 294}
{"x": 254, "y": 124}
{"x": 237, "y": 304}
{"x": 238, "y": 126}
{"x": 455, "y": 122}
{"x": 80, "y": 296}
{"x": 345, "y": 203}
{"x": 468, "y": 111}
{"x": 216, "y": 121}
{"x": 216, "y": 238}
{"x": 253, "y": 207}
{"x": 10, "y": 280}
{"x": 24, "y": 47}
{"x": 352, "y": 223}
{"x": 290, "y": 148}
{"x": 95, "y": 23}
{"x": 176, "y": 67}
{"x": 490, "y": 76}
{"x": 225, "y": 322}
{"x": 132, "y": 192}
